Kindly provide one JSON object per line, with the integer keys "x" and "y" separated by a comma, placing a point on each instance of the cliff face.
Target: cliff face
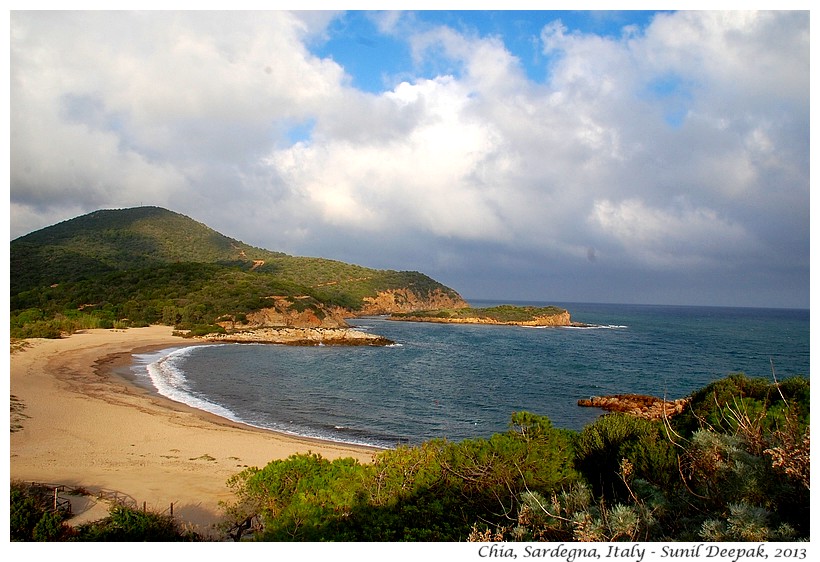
{"x": 405, "y": 300}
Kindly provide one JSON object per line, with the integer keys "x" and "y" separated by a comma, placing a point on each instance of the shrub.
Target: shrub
{"x": 601, "y": 447}
{"x": 726, "y": 404}
{"x": 31, "y": 517}
{"x": 298, "y": 498}
{"x": 746, "y": 522}
{"x": 38, "y": 329}
{"x": 126, "y": 524}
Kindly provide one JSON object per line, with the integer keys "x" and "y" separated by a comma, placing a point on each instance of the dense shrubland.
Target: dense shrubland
{"x": 435, "y": 491}
{"x": 185, "y": 295}
{"x": 734, "y": 468}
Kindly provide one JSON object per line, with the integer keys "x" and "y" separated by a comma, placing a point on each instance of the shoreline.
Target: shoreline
{"x": 116, "y": 364}
{"x": 84, "y": 424}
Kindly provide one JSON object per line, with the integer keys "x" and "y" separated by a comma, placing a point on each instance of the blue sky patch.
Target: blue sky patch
{"x": 378, "y": 59}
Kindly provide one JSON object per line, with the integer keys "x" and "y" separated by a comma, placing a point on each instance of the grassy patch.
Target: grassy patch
{"x": 205, "y": 457}
{"x": 17, "y": 415}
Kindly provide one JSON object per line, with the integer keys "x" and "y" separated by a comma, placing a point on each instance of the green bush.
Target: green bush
{"x": 127, "y": 524}
{"x": 31, "y": 517}
{"x": 299, "y": 497}
{"x": 39, "y": 329}
{"x": 601, "y": 447}
{"x": 50, "y": 527}
{"x": 725, "y": 403}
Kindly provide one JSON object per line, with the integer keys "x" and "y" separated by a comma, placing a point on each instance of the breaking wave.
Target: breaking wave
{"x": 171, "y": 382}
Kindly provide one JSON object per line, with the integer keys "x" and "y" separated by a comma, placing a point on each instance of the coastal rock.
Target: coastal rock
{"x": 405, "y": 300}
{"x": 298, "y": 312}
{"x": 639, "y": 405}
{"x": 305, "y": 312}
{"x": 300, "y": 336}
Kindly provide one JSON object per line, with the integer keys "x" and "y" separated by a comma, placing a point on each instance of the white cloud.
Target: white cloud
{"x": 422, "y": 179}
{"x": 387, "y": 22}
{"x": 172, "y": 95}
{"x": 679, "y": 237}
{"x": 759, "y": 56}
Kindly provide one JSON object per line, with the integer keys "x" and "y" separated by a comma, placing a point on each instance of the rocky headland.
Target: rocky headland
{"x": 508, "y": 315}
{"x": 304, "y": 321}
{"x": 638, "y": 405}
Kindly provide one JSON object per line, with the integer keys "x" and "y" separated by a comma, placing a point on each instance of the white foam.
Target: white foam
{"x": 596, "y": 327}
{"x": 163, "y": 370}
{"x": 170, "y": 381}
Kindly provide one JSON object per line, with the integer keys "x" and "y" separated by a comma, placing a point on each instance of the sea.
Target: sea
{"x": 461, "y": 381}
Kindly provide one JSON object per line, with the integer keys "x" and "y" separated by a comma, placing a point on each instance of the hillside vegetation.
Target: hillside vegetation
{"x": 145, "y": 265}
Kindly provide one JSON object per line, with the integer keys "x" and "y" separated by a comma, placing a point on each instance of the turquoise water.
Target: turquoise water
{"x": 460, "y": 381}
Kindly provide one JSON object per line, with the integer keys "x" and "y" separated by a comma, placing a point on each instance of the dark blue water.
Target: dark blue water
{"x": 459, "y": 381}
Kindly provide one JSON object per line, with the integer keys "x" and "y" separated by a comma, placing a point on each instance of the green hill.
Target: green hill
{"x": 151, "y": 265}
{"x": 116, "y": 240}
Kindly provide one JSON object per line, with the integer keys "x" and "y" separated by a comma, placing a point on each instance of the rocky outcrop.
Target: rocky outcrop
{"x": 299, "y": 312}
{"x": 300, "y": 336}
{"x": 294, "y": 321}
{"x": 406, "y": 300}
{"x": 639, "y": 405}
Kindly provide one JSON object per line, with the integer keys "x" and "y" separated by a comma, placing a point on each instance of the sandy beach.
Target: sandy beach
{"x": 79, "y": 424}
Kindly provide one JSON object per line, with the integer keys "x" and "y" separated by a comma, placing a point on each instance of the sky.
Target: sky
{"x": 556, "y": 156}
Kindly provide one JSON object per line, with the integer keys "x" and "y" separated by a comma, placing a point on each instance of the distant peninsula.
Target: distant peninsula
{"x": 505, "y": 314}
